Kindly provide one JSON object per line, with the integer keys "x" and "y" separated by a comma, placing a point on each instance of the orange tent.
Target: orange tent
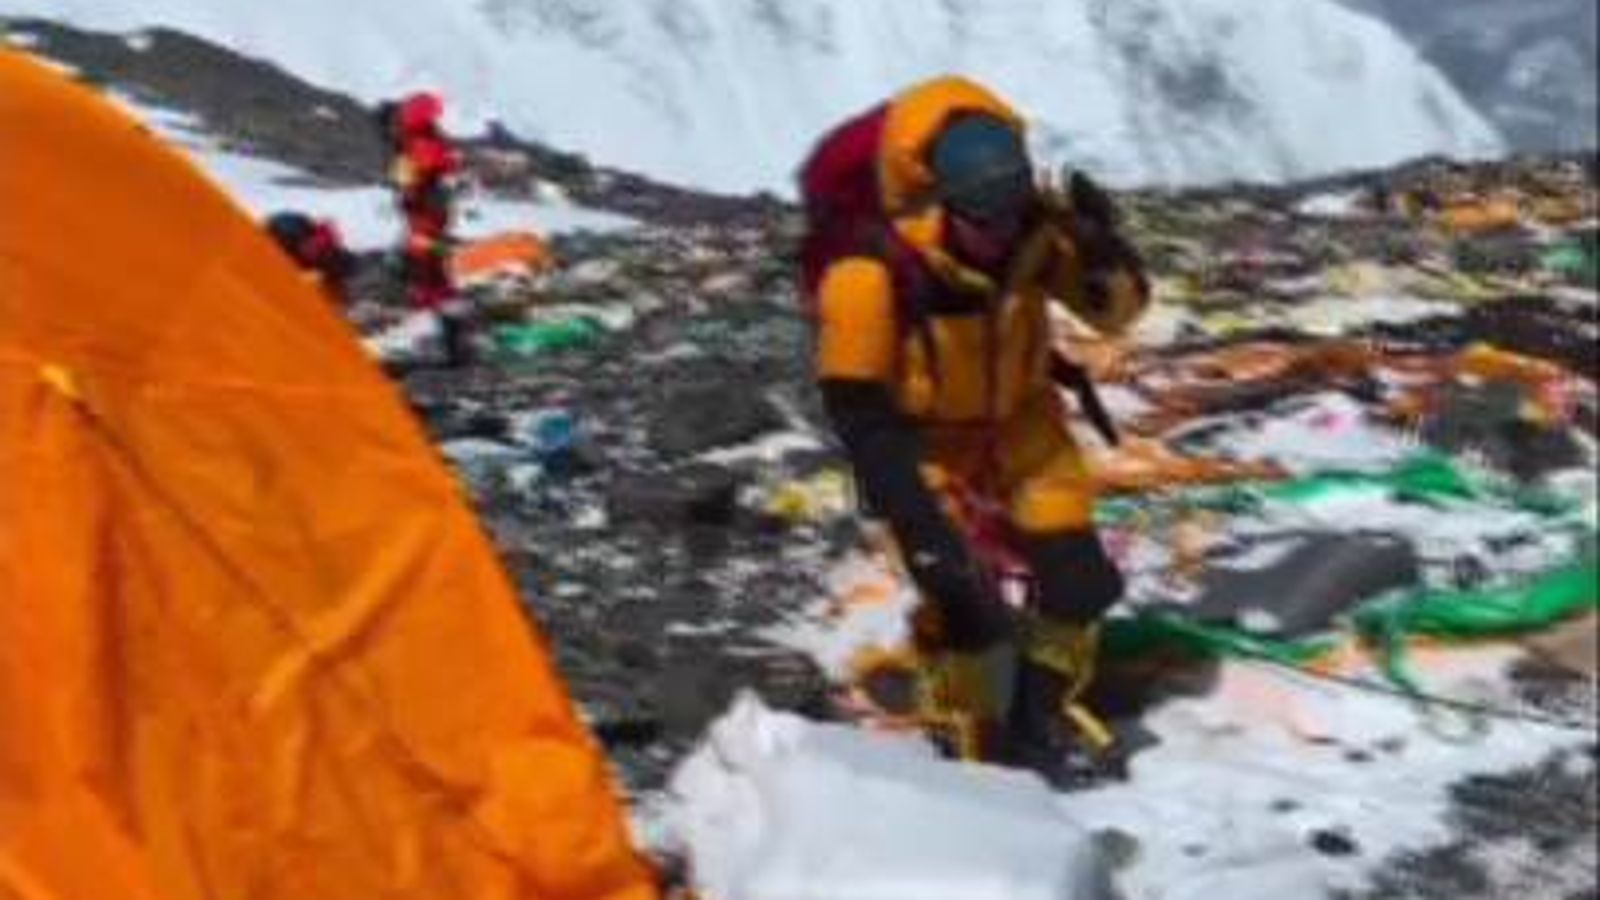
{"x": 513, "y": 254}
{"x": 253, "y": 643}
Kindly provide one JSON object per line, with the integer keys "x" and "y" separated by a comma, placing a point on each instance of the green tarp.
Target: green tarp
{"x": 1386, "y": 623}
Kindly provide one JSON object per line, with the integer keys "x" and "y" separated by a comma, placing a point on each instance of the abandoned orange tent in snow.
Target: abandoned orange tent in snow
{"x": 253, "y": 643}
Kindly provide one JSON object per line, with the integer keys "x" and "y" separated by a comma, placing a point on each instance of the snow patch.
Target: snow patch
{"x": 1328, "y": 431}
{"x": 770, "y": 448}
{"x": 774, "y": 807}
{"x": 414, "y": 338}
{"x": 1227, "y": 804}
{"x": 366, "y": 216}
{"x": 23, "y": 39}
{"x": 1341, "y": 205}
{"x": 1333, "y": 316}
{"x": 836, "y": 637}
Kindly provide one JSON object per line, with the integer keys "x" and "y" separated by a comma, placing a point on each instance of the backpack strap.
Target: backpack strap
{"x": 1076, "y": 378}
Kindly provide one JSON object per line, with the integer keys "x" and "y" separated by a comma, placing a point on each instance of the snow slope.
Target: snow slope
{"x": 728, "y": 94}
{"x": 1530, "y": 66}
{"x": 366, "y": 216}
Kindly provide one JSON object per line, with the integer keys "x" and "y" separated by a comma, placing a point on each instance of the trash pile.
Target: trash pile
{"x": 1358, "y": 416}
{"x": 1375, "y": 389}
{"x": 1357, "y": 428}
{"x": 1383, "y": 248}
{"x": 1415, "y": 355}
{"x": 640, "y": 439}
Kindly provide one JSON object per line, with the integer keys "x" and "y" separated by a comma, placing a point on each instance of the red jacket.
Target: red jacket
{"x": 429, "y": 157}
{"x": 425, "y": 155}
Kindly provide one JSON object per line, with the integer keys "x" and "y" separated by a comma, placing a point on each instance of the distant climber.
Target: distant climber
{"x": 932, "y": 257}
{"x": 317, "y": 248}
{"x": 423, "y": 168}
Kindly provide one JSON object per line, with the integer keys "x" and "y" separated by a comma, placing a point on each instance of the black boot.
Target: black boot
{"x": 1047, "y": 728}
{"x": 1035, "y": 730}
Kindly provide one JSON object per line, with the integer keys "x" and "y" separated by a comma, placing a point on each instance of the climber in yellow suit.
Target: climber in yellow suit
{"x": 960, "y": 388}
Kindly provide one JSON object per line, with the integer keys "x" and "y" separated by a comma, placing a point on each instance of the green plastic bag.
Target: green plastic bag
{"x": 1574, "y": 261}
{"x": 1466, "y": 615}
{"x": 1531, "y": 606}
{"x": 540, "y": 338}
{"x": 1426, "y": 477}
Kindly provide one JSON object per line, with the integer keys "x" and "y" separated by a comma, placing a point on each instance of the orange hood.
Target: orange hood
{"x": 916, "y": 117}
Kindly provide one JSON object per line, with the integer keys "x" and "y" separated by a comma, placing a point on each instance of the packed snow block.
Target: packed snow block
{"x": 774, "y": 807}
{"x": 695, "y": 495}
{"x": 1314, "y": 580}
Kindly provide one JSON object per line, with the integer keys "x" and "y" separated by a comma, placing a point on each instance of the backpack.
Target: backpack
{"x": 842, "y": 201}
{"x": 312, "y": 244}
{"x": 844, "y": 212}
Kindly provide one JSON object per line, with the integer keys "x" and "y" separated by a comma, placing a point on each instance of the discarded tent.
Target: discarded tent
{"x": 256, "y": 644}
{"x": 512, "y": 255}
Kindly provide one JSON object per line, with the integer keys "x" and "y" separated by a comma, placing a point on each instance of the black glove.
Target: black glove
{"x": 886, "y": 452}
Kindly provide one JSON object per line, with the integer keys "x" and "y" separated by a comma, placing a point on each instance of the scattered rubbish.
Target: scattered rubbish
{"x": 543, "y": 338}
{"x": 481, "y": 462}
{"x": 517, "y": 257}
{"x": 1319, "y": 578}
{"x": 694, "y": 495}
{"x": 1307, "y": 434}
{"x": 1573, "y": 646}
{"x": 823, "y": 496}
{"x": 699, "y": 416}
{"x": 1480, "y": 216}
{"x": 1142, "y": 464}
{"x": 554, "y": 439}
{"x": 1575, "y": 260}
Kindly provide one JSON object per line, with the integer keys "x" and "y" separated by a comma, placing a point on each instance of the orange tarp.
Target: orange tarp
{"x": 1140, "y": 465}
{"x": 513, "y": 254}
{"x": 1476, "y": 217}
{"x": 253, "y": 643}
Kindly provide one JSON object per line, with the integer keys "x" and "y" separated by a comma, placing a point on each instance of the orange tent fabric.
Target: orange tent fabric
{"x": 515, "y": 253}
{"x": 253, "y": 643}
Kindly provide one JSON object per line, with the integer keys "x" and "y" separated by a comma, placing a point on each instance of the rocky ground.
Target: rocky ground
{"x": 260, "y": 109}
{"x": 670, "y": 568}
